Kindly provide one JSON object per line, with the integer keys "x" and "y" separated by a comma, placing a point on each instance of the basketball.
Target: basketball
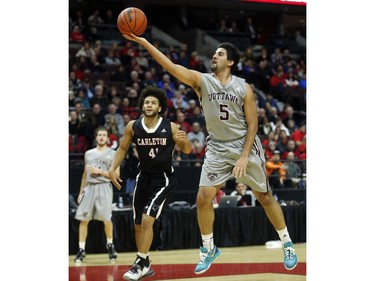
{"x": 132, "y": 20}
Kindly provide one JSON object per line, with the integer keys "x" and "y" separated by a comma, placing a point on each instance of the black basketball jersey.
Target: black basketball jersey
{"x": 155, "y": 146}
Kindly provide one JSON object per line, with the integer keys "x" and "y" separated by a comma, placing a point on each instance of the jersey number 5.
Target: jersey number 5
{"x": 224, "y": 111}
{"x": 153, "y": 152}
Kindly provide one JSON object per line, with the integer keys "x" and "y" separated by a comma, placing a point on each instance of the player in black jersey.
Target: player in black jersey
{"x": 155, "y": 138}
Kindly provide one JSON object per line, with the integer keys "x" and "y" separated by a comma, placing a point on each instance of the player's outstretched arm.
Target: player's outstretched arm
{"x": 187, "y": 76}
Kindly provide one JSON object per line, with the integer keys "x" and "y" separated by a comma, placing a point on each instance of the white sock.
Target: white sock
{"x": 208, "y": 241}
{"x": 142, "y": 255}
{"x": 82, "y": 245}
{"x": 109, "y": 241}
{"x": 284, "y": 235}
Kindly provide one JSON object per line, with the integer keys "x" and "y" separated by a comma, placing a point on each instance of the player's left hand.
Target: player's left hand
{"x": 239, "y": 169}
{"x": 181, "y": 135}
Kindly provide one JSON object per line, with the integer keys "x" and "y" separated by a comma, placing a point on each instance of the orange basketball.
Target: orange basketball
{"x": 132, "y": 20}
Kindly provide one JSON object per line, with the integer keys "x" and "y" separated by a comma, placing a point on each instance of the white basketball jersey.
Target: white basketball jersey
{"x": 223, "y": 107}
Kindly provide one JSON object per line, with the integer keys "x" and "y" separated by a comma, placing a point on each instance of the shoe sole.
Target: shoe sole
{"x": 149, "y": 273}
{"x": 291, "y": 268}
{"x": 203, "y": 271}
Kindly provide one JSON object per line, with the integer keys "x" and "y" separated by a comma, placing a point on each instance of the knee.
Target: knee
{"x": 147, "y": 221}
{"x": 265, "y": 198}
{"x": 203, "y": 199}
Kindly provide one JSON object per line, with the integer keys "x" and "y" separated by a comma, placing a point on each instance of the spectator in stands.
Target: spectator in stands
{"x": 194, "y": 60}
{"x": 85, "y": 51}
{"x": 276, "y": 57}
{"x": 197, "y": 116}
{"x": 197, "y": 153}
{"x": 270, "y": 150}
{"x": 172, "y": 53}
{"x": 99, "y": 119}
{"x": 114, "y": 97}
{"x": 87, "y": 127}
{"x": 79, "y": 20}
{"x": 181, "y": 122}
{"x": 109, "y": 18}
{"x": 82, "y": 97}
{"x": 270, "y": 137}
{"x": 142, "y": 60}
{"x": 167, "y": 85}
{"x": 233, "y": 27}
{"x": 196, "y": 134}
{"x": 112, "y": 114}
{"x": 127, "y": 119}
{"x": 179, "y": 101}
{"x": 279, "y": 123}
{"x": 275, "y": 171}
{"x": 249, "y": 28}
{"x": 111, "y": 58}
{"x": 277, "y": 83}
{"x": 264, "y": 126}
{"x": 94, "y": 66}
{"x": 134, "y": 78}
{"x": 262, "y": 76}
{"x": 72, "y": 96}
{"x": 126, "y": 108}
{"x": 223, "y": 26}
{"x": 291, "y": 126}
{"x": 93, "y": 21}
{"x": 293, "y": 174}
{"x": 298, "y": 134}
{"x": 100, "y": 51}
{"x": 289, "y": 114}
{"x": 76, "y": 36}
{"x": 291, "y": 80}
{"x": 87, "y": 88}
{"x": 291, "y": 147}
{"x": 271, "y": 100}
{"x": 120, "y": 74}
{"x": 74, "y": 82}
{"x": 245, "y": 196}
{"x": 77, "y": 71}
{"x": 220, "y": 193}
{"x": 113, "y": 142}
{"x": 100, "y": 97}
{"x": 148, "y": 80}
{"x": 282, "y": 143}
{"x": 263, "y": 56}
{"x": 301, "y": 149}
{"x": 73, "y": 123}
{"x": 133, "y": 97}
{"x": 272, "y": 114}
{"x": 183, "y": 58}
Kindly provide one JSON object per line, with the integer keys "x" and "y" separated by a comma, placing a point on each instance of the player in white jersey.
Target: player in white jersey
{"x": 233, "y": 148}
{"x": 96, "y": 193}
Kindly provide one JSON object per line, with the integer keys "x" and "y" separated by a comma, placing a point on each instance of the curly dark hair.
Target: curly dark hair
{"x": 157, "y": 93}
{"x": 232, "y": 53}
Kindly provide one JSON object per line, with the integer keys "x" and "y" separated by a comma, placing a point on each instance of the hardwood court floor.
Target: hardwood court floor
{"x": 252, "y": 263}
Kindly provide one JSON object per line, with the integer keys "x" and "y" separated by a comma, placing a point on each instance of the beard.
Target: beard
{"x": 213, "y": 68}
{"x": 150, "y": 115}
